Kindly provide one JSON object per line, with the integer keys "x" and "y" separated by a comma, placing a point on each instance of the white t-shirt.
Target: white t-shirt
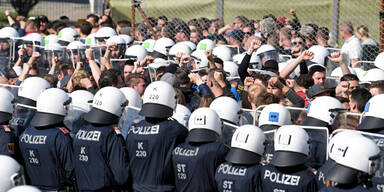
{"x": 351, "y": 50}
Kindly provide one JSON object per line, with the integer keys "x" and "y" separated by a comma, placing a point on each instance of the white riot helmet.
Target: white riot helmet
{"x": 159, "y": 100}
{"x": 358, "y": 154}
{"x": 323, "y": 108}
{"x": 338, "y": 73}
{"x": 379, "y": 61}
{"x": 128, "y": 39}
{"x": 136, "y": 52}
{"x": 179, "y": 48}
{"x": 76, "y": 45}
{"x": 133, "y": 97}
{"x": 227, "y": 109}
{"x": 30, "y": 89}
{"x": 162, "y": 46}
{"x": 375, "y": 74}
{"x": 51, "y": 107}
{"x": 6, "y": 105}
{"x": 274, "y": 114}
{"x": 34, "y": 38}
{"x": 54, "y": 47}
{"x": 373, "y": 114}
{"x": 361, "y": 74}
{"x": 320, "y": 54}
{"x": 67, "y": 35}
{"x": 201, "y": 59}
{"x": 190, "y": 44}
{"x": 149, "y": 44}
{"x": 182, "y": 114}
{"x": 267, "y": 52}
{"x": 291, "y": 146}
{"x": 81, "y": 100}
{"x": 105, "y": 33}
{"x": 107, "y": 106}
{"x": 231, "y": 69}
{"x": 247, "y": 146}
{"x": 120, "y": 43}
{"x": 204, "y": 126}
{"x": 205, "y": 45}
{"x": 50, "y": 39}
{"x": 8, "y": 32}
{"x": 25, "y": 188}
{"x": 222, "y": 52}
{"x": 11, "y": 173}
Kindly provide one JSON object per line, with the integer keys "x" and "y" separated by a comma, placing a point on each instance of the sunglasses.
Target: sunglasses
{"x": 297, "y": 43}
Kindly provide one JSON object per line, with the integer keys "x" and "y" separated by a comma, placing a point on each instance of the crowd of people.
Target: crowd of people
{"x": 254, "y": 105}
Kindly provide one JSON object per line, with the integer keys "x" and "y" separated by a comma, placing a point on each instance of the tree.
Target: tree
{"x": 23, "y": 7}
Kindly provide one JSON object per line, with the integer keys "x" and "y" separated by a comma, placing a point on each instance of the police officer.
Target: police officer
{"x": 11, "y": 173}
{"x": 334, "y": 143}
{"x": 151, "y": 141}
{"x": 373, "y": 122}
{"x": 241, "y": 170}
{"x": 8, "y": 141}
{"x": 322, "y": 112}
{"x": 229, "y": 112}
{"x": 81, "y": 104}
{"x": 195, "y": 161}
{"x": 287, "y": 171}
{"x": 100, "y": 158}
{"x": 356, "y": 162}
{"x": 46, "y": 146}
{"x": 28, "y": 93}
{"x": 272, "y": 117}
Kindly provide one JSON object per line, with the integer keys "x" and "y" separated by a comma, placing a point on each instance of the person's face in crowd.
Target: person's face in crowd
{"x": 353, "y": 85}
{"x": 237, "y": 24}
{"x": 33, "y": 72}
{"x": 75, "y": 57}
{"x": 194, "y": 37}
{"x": 274, "y": 90}
{"x": 4, "y": 45}
{"x": 285, "y": 42}
{"x": 29, "y": 49}
{"x": 204, "y": 78}
{"x": 319, "y": 77}
{"x": 232, "y": 41}
{"x": 103, "y": 18}
{"x": 256, "y": 25}
{"x": 212, "y": 28}
{"x": 52, "y": 31}
{"x": 298, "y": 46}
{"x": 180, "y": 36}
{"x": 92, "y": 21}
{"x": 374, "y": 91}
{"x": 161, "y": 22}
{"x": 43, "y": 26}
{"x": 128, "y": 70}
{"x": 120, "y": 82}
{"x": 140, "y": 87}
{"x": 247, "y": 33}
{"x": 31, "y": 28}
{"x": 115, "y": 52}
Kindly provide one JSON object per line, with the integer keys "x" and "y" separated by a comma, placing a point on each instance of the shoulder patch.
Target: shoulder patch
{"x": 117, "y": 130}
{"x": 64, "y": 130}
{"x": 6, "y": 128}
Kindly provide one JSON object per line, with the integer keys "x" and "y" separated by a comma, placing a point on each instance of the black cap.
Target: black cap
{"x": 41, "y": 119}
{"x": 98, "y": 116}
{"x": 288, "y": 159}
{"x": 341, "y": 174}
{"x": 43, "y": 18}
{"x": 318, "y": 89}
{"x": 271, "y": 65}
{"x": 154, "y": 110}
{"x": 243, "y": 157}
{"x": 202, "y": 135}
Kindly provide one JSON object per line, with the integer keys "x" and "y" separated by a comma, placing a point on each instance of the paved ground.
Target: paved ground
{"x": 55, "y": 9}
